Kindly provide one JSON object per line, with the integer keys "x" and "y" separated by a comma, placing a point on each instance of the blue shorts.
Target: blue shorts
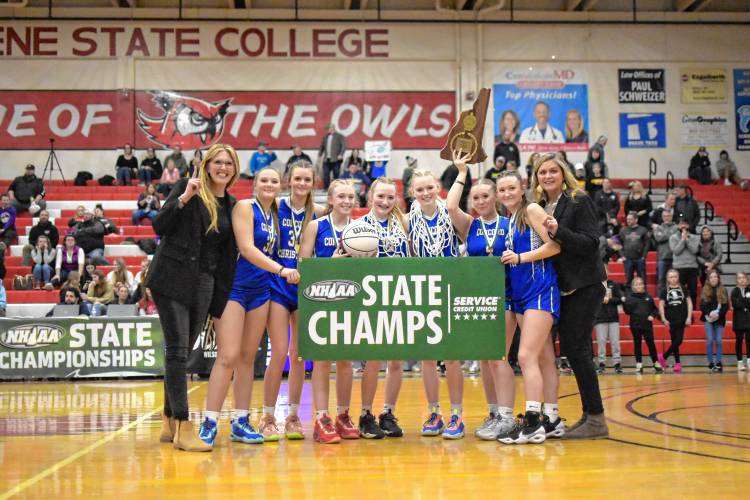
{"x": 284, "y": 293}
{"x": 250, "y": 299}
{"x": 548, "y": 300}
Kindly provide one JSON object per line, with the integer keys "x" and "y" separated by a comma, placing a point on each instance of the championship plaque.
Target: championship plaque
{"x": 466, "y": 135}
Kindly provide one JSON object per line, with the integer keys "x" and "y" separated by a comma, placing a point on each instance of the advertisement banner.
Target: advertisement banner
{"x": 542, "y": 110}
{"x": 701, "y": 85}
{"x": 641, "y": 86}
{"x": 643, "y": 130}
{"x": 742, "y": 108}
{"x": 81, "y": 347}
{"x": 196, "y": 119}
{"x": 704, "y": 129}
{"x": 411, "y": 308}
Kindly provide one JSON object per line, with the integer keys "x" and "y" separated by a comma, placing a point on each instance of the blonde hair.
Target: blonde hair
{"x": 570, "y": 185}
{"x": 708, "y": 291}
{"x": 420, "y": 172}
{"x": 493, "y": 185}
{"x": 274, "y": 203}
{"x": 521, "y": 216}
{"x": 309, "y": 202}
{"x": 569, "y": 133}
{"x": 396, "y": 211}
{"x": 120, "y": 274}
{"x": 332, "y": 187}
{"x": 205, "y": 193}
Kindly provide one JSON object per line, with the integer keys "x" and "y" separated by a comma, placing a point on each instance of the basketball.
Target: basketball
{"x": 359, "y": 239}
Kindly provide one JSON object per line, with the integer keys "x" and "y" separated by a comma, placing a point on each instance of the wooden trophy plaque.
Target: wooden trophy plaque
{"x": 466, "y": 134}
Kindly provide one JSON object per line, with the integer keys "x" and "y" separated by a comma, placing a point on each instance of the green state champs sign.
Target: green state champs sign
{"x": 415, "y": 308}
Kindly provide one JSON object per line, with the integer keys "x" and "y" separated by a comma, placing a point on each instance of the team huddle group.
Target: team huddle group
{"x": 196, "y": 273}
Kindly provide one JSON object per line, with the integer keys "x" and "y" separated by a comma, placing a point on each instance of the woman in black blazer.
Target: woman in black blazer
{"x": 572, "y": 223}
{"x": 191, "y": 276}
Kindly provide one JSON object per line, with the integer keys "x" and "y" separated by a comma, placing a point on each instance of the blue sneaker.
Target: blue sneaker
{"x": 243, "y": 432}
{"x": 433, "y": 426}
{"x": 455, "y": 428}
{"x": 208, "y": 431}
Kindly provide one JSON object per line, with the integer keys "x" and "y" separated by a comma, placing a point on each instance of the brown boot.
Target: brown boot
{"x": 167, "y": 429}
{"x": 185, "y": 437}
{"x": 594, "y": 427}
{"x": 577, "y": 424}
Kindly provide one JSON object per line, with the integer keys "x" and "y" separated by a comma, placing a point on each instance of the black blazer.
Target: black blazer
{"x": 176, "y": 267}
{"x": 578, "y": 263}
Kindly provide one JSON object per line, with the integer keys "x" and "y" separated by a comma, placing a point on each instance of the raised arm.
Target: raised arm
{"x": 460, "y": 219}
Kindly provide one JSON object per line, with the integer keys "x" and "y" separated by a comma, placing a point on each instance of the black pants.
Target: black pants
{"x": 740, "y": 334}
{"x": 181, "y": 325}
{"x": 577, "y": 313}
{"x": 330, "y": 168}
{"x": 676, "y": 333}
{"x": 689, "y": 278}
{"x": 646, "y": 334}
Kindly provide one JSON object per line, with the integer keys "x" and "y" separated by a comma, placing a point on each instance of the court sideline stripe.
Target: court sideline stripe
{"x": 75, "y": 456}
{"x": 675, "y": 450}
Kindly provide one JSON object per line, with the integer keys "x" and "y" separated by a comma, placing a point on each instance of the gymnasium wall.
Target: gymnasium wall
{"x": 87, "y": 83}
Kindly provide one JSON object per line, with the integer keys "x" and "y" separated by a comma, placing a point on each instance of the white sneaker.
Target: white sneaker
{"x": 727, "y": 182}
{"x": 474, "y": 367}
{"x": 740, "y": 366}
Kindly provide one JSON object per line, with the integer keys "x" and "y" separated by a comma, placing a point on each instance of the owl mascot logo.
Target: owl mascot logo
{"x": 187, "y": 121}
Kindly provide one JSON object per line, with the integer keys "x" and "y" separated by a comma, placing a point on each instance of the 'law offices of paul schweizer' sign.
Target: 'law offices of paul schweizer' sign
{"x": 412, "y": 308}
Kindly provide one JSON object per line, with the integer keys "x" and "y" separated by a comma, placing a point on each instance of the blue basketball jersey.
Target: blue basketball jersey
{"x": 392, "y": 240}
{"x": 530, "y": 279}
{"x": 432, "y": 237}
{"x": 247, "y": 275}
{"x": 328, "y": 238}
{"x": 290, "y": 227}
{"x": 477, "y": 241}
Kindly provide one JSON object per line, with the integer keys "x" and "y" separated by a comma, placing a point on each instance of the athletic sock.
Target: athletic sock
{"x": 238, "y": 414}
{"x": 434, "y": 408}
{"x": 293, "y": 408}
{"x": 341, "y": 409}
{"x": 534, "y": 406}
{"x": 552, "y": 411}
{"x": 320, "y": 414}
{"x": 457, "y": 409}
{"x": 269, "y": 410}
{"x": 505, "y": 411}
{"x": 211, "y": 415}
{"x": 492, "y": 409}
{"x": 389, "y": 408}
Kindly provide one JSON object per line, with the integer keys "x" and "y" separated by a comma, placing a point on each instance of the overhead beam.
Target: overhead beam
{"x": 587, "y": 5}
{"x": 347, "y": 4}
{"x": 700, "y": 5}
{"x": 571, "y": 5}
{"x": 460, "y": 4}
{"x": 683, "y": 5}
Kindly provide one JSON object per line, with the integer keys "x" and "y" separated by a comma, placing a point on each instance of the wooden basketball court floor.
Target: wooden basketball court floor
{"x": 671, "y": 435}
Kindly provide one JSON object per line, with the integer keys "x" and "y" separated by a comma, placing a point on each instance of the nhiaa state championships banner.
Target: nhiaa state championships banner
{"x": 416, "y": 308}
{"x": 198, "y": 119}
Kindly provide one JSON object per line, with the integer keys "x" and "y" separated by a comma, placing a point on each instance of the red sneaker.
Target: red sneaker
{"x": 324, "y": 432}
{"x": 345, "y": 427}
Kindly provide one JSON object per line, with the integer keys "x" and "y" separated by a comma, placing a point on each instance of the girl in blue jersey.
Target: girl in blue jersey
{"x": 386, "y": 216}
{"x": 483, "y": 236}
{"x": 241, "y": 326}
{"x": 295, "y": 213}
{"x": 322, "y": 238}
{"x": 431, "y": 234}
{"x": 535, "y": 299}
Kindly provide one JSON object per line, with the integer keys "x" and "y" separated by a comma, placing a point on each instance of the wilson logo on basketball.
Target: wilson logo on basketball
{"x": 31, "y": 336}
{"x": 331, "y": 290}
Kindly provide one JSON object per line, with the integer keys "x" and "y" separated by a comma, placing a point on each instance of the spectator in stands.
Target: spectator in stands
{"x": 449, "y": 177}
{"x": 642, "y": 309}
{"x": 7, "y": 221}
{"x": 27, "y": 192}
{"x": 564, "y": 157}
{"x": 607, "y": 326}
{"x": 70, "y": 257}
{"x": 73, "y": 281}
{"x": 71, "y": 297}
{"x": 710, "y": 254}
{"x": 728, "y": 171}
{"x": 331, "y": 154}
{"x": 676, "y": 311}
{"x": 260, "y": 159}
{"x": 99, "y": 293}
{"x": 579, "y": 172}
{"x": 122, "y": 297}
{"x": 3, "y": 300}
{"x": 530, "y": 164}
{"x": 179, "y": 160}
{"x": 634, "y": 247}
{"x": 360, "y": 180}
{"x": 140, "y": 278}
{"x": 356, "y": 158}
{"x": 148, "y": 205}
{"x": 88, "y": 274}
{"x": 640, "y": 203}
{"x": 507, "y": 149}
{"x": 74, "y": 221}
{"x": 150, "y": 167}
{"x": 109, "y": 227}
{"x": 686, "y": 208}
{"x": 741, "y": 319}
{"x": 169, "y": 177}
{"x": 146, "y": 305}
{"x": 714, "y": 306}
{"x": 700, "y": 166}
{"x": 495, "y": 170}
{"x": 661, "y": 233}
{"x": 595, "y": 181}
{"x": 121, "y": 276}
{"x": 411, "y": 166}
{"x": 599, "y": 145}
{"x": 126, "y": 166}
{"x": 595, "y": 155}
{"x": 43, "y": 255}
{"x": 90, "y": 236}
{"x": 297, "y": 155}
{"x": 685, "y": 247}
{"x": 607, "y": 203}
{"x": 43, "y": 227}
{"x": 195, "y": 162}
{"x": 668, "y": 205}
